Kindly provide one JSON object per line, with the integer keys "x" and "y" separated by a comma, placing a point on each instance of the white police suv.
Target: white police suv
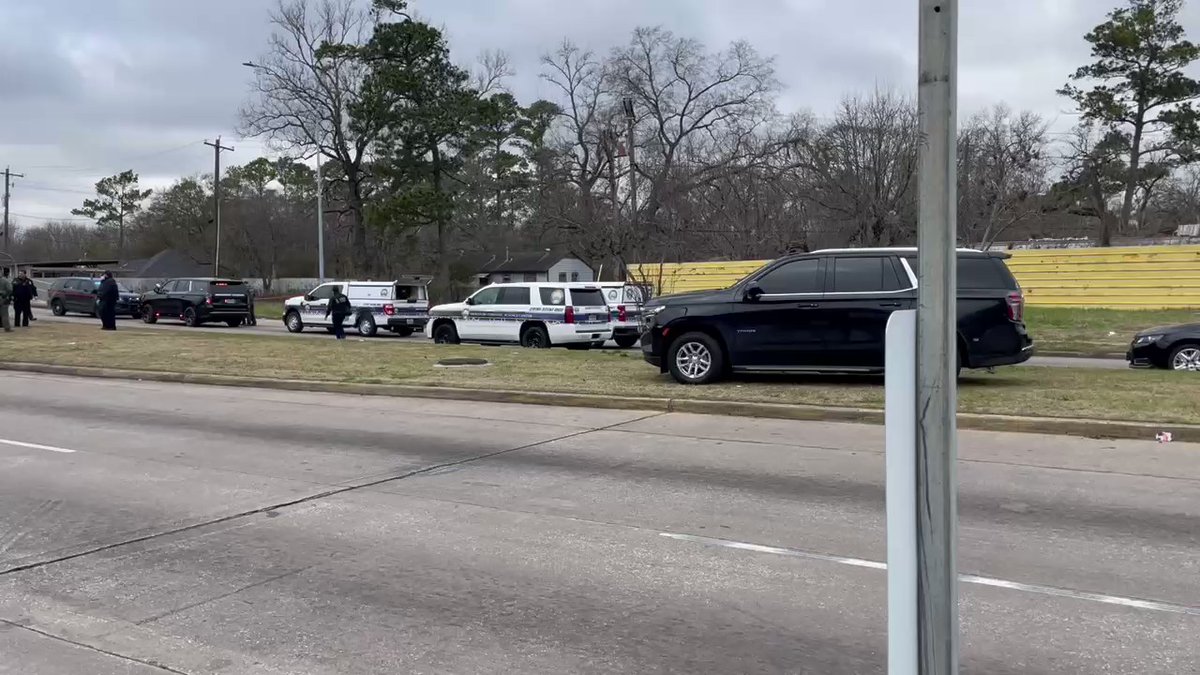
{"x": 400, "y": 306}
{"x": 537, "y": 315}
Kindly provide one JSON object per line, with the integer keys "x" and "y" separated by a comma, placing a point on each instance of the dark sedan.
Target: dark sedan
{"x": 1172, "y": 347}
{"x": 78, "y": 294}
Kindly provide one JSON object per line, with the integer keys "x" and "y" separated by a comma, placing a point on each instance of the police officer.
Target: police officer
{"x": 6, "y": 290}
{"x": 23, "y": 293}
{"x": 108, "y": 294}
{"x": 339, "y": 307}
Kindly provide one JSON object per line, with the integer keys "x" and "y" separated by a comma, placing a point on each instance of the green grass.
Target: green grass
{"x": 1144, "y": 396}
{"x": 269, "y": 309}
{"x": 1096, "y": 331}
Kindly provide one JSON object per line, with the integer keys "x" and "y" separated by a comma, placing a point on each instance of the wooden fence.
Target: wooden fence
{"x": 1143, "y": 277}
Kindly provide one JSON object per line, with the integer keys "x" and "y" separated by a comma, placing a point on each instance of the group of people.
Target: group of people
{"x": 19, "y": 293}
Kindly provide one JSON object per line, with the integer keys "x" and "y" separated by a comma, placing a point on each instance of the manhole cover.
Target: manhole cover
{"x": 462, "y": 362}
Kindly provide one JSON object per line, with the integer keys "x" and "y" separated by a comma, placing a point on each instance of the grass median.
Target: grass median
{"x": 1100, "y": 332}
{"x": 1139, "y": 396}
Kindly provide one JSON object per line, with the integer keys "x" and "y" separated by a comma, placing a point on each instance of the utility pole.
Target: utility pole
{"x": 630, "y": 118}
{"x": 217, "y": 148}
{"x": 320, "y": 222}
{"x": 937, "y": 345}
{"x": 8, "y": 176}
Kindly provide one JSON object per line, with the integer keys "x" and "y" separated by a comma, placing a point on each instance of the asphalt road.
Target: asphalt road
{"x": 271, "y": 327}
{"x": 150, "y": 528}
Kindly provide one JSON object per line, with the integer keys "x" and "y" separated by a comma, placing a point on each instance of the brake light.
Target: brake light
{"x": 569, "y": 315}
{"x": 1016, "y": 306}
{"x": 208, "y": 300}
{"x": 389, "y": 309}
{"x": 622, "y": 315}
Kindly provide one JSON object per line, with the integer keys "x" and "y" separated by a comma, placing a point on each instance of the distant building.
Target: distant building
{"x": 544, "y": 266}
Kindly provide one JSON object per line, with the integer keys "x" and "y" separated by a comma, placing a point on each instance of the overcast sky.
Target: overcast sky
{"x": 91, "y": 87}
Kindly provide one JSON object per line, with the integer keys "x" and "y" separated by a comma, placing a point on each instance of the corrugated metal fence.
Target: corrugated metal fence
{"x": 1144, "y": 277}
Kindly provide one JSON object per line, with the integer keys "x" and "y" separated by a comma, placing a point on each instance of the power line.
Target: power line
{"x": 48, "y": 218}
{"x": 158, "y": 153}
{"x": 50, "y": 188}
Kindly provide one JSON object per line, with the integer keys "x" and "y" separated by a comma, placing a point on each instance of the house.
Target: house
{"x": 543, "y": 266}
{"x": 166, "y": 264}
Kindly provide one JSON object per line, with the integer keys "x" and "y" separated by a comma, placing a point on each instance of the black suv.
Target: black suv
{"x": 828, "y": 311}
{"x": 78, "y": 294}
{"x": 198, "y": 301}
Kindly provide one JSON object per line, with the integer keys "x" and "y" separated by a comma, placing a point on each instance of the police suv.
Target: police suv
{"x": 625, "y": 301}
{"x": 536, "y": 315}
{"x": 400, "y": 306}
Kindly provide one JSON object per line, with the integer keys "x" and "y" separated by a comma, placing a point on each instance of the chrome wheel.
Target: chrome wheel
{"x": 693, "y": 360}
{"x": 1187, "y": 358}
{"x": 293, "y": 323}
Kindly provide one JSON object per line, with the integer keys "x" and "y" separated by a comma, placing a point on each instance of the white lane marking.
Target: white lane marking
{"x": 35, "y": 446}
{"x": 965, "y": 578}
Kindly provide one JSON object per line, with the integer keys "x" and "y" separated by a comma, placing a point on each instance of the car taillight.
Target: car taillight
{"x": 389, "y": 309}
{"x": 622, "y": 315}
{"x": 1016, "y": 306}
{"x": 569, "y": 315}
{"x": 208, "y": 300}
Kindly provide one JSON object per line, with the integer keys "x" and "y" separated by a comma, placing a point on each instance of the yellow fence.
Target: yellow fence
{"x": 1144, "y": 277}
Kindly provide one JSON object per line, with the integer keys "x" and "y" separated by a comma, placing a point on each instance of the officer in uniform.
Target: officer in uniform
{"x": 24, "y": 291}
{"x": 339, "y": 307}
{"x": 6, "y": 291}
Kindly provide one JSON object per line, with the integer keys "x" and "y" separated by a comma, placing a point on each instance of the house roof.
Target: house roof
{"x": 166, "y": 264}
{"x": 540, "y": 261}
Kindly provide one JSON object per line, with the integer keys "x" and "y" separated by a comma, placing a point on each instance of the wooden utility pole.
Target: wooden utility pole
{"x": 8, "y": 176}
{"x": 217, "y": 148}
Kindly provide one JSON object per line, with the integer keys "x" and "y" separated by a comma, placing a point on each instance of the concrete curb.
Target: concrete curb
{"x": 1035, "y": 425}
{"x": 1108, "y": 356}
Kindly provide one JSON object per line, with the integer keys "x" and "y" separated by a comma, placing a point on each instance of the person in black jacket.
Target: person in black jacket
{"x": 24, "y": 291}
{"x": 107, "y": 296}
{"x": 339, "y": 307}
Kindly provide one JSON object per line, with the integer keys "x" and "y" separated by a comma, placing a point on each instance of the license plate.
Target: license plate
{"x": 408, "y": 321}
{"x": 230, "y": 301}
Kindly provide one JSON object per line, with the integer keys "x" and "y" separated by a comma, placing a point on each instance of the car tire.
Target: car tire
{"x": 190, "y": 318}
{"x": 695, "y": 358}
{"x": 366, "y": 326}
{"x": 535, "y": 337}
{"x": 626, "y": 341}
{"x": 58, "y": 308}
{"x": 292, "y": 322}
{"x": 445, "y": 334}
{"x": 1185, "y": 358}
{"x": 148, "y": 315}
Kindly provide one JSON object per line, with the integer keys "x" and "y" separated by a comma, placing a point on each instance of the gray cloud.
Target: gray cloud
{"x": 90, "y": 88}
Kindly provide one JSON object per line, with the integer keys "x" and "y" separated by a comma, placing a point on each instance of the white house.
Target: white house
{"x": 544, "y": 266}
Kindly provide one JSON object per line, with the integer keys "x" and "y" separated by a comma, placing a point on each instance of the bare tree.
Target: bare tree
{"x": 1003, "y": 162}
{"x": 1095, "y": 176}
{"x": 1178, "y": 202}
{"x": 862, "y": 167}
{"x": 305, "y": 96}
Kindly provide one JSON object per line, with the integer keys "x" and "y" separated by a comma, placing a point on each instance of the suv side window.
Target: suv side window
{"x": 169, "y": 287}
{"x": 798, "y": 276}
{"x": 487, "y": 296}
{"x": 863, "y": 275}
{"x": 322, "y": 292}
{"x": 553, "y": 297}
{"x": 514, "y": 295}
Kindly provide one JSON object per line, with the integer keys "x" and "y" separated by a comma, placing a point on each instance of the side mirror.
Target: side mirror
{"x": 308, "y": 298}
{"x": 753, "y": 293}
{"x": 158, "y": 288}
{"x": 470, "y": 301}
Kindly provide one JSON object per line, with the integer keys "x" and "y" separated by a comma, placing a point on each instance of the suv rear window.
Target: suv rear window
{"x": 553, "y": 297}
{"x": 863, "y": 275}
{"x": 978, "y": 273}
{"x": 587, "y": 297}
{"x": 514, "y": 295}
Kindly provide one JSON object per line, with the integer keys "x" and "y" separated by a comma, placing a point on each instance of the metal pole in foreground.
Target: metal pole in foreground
{"x": 320, "y": 223}
{"x": 217, "y": 148}
{"x": 937, "y": 344}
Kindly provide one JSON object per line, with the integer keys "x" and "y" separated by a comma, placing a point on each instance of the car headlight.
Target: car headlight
{"x": 1146, "y": 339}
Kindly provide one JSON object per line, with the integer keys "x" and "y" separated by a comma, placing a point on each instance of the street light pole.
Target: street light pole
{"x": 320, "y": 222}
{"x": 937, "y": 343}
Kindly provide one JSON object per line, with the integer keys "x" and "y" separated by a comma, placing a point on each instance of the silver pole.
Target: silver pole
{"x": 937, "y": 343}
{"x": 320, "y": 223}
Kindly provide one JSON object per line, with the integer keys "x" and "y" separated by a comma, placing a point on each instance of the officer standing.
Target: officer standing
{"x": 23, "y": 293}
{"x": 339, "y": 307}
{"x": 6, "y": 290}
{"x": 108, "y": 294}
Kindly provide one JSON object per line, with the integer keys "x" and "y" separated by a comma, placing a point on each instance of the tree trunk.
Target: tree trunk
{"x": 1135, "y": 164}
{"x": 363, "y": 261}
{"x": 1104, "y": 237}
{"x": 442, "y": 286}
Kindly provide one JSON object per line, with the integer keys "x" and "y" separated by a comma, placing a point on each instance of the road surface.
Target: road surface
{"x": 274, "y": 327}
{"x": 152, "y": 528}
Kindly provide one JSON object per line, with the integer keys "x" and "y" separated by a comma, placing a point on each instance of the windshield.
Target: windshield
{"x": 752, "y": 274}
